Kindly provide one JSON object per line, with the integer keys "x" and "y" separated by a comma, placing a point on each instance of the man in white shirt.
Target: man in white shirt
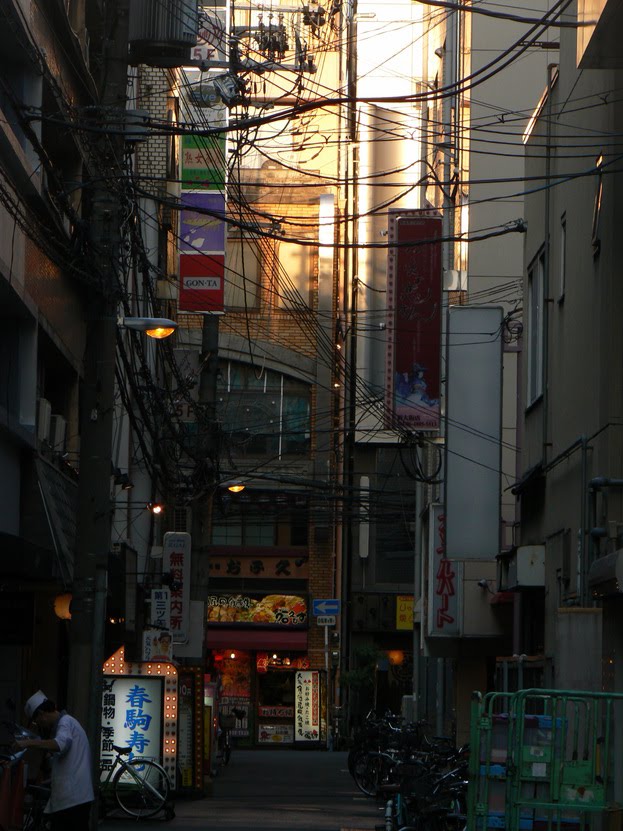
{"x": 71, "y": 796}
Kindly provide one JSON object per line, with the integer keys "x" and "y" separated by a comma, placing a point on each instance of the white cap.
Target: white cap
{"x": 33, "y": 702}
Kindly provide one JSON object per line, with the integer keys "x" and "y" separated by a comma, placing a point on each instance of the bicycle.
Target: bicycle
{"x": 228, "y": 723}
{"x": 36, "y": 799}
{"x": 140, "y": 786}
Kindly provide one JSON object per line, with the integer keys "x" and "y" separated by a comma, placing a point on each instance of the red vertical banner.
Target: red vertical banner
{"x": 202, "y": 283}
{"x": 414, "y": 302}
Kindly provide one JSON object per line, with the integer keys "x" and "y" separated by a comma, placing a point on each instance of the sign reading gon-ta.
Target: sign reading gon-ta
{"x": 202, "y": 283}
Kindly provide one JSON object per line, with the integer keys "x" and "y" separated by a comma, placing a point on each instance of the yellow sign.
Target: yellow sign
{"x": 404, "y": 611}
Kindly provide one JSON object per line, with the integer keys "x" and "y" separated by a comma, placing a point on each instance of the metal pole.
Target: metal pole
{"x": 94, "y": 513}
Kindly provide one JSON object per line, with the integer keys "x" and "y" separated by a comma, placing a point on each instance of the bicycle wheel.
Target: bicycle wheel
{"x": 226, "y": 754}
{"x": 142, "y": 789}
{"x": 369, "y": 773}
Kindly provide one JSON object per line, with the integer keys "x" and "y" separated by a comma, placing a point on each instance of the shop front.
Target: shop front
{"x": 258, "y": 650}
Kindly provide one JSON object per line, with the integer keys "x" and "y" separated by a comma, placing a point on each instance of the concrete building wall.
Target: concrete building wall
{"x": 573, "y": 429}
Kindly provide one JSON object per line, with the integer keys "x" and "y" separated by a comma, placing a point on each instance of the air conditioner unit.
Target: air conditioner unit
{"x": 44, "y": 415}
{"x": 58, "y": 431}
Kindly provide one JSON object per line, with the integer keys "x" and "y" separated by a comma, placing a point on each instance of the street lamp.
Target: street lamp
{"x": 155, "y": 327}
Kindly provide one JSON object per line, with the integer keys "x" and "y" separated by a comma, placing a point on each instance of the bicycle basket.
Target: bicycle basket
{"x": 228, "y": 721}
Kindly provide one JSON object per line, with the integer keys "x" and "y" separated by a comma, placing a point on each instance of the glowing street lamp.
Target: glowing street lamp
{"x": 154, "y": 327}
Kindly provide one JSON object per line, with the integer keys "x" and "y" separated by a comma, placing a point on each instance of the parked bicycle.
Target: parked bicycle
{"x": 140, "y": 787}
{"x": 227, "y": 723}
{"x": 35, "y": 800}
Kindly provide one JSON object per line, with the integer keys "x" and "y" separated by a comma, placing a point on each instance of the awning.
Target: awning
{"x": 531, "y": 475}
{"x": 252, "y": 639}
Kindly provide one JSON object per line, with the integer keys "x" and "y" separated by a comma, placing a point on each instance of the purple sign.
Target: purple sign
{"x": 199, "y": 231}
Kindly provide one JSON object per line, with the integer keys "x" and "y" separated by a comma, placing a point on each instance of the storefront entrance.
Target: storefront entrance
{"x": 275, "y": 707}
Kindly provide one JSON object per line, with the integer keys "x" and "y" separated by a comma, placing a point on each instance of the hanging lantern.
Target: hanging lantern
{"x": 62, "y": 606}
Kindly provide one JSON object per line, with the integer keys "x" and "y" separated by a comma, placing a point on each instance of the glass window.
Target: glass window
{"x": 293, "y": 279}
{"x": 242, "y": 274}
{"x": 259, "y": 519}
{"x": 263, "y": 413}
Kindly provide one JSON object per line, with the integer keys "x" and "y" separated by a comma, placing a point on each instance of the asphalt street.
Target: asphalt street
{"x": 269, "y": 790}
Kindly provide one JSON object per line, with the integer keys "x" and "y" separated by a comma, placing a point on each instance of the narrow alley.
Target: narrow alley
{"x": 270, "y": 790}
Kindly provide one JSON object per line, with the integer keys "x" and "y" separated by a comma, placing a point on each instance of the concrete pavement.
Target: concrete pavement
{"x": 270, "y": 790}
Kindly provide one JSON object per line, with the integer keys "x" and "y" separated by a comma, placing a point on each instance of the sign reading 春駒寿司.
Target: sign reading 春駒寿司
{"x": 131, "y": 717}
{"x": 307, "y": 706}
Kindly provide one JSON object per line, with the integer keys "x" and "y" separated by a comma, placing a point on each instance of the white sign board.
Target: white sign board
{"x": 307, "y": 706}
{"x": 131, "y": 717}
{"x": 160, "y": 613}
{"x": 176, "y": 562}
{"x": 325, "y": 620}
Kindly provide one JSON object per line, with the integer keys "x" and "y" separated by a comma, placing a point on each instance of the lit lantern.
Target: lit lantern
{"x": 62, "y": 606}
{"x": 396, "y": 657}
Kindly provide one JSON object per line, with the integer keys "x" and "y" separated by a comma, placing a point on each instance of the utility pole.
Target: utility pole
{"x": 94, "y": 502}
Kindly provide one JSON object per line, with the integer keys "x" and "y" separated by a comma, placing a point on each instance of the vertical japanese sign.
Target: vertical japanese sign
{"x": 160, "y": 613}
{"x": 414, "y": 299}
{"x": 203, "y": 162}
{"x": 307, "y": 706}
{"x": 131, "y": 717}
{"x": 176, "y": 561}
{"x": 404, "y": 611}
{"x": 444, "y": 581}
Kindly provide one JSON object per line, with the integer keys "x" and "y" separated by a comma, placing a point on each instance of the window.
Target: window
{"x": 242, "y": 274}
{"x": 263, "y": 413}
{"x": 260, "y": 519}
{"x": 536, "y": 274}
{"x": 293, "y": 279}
{"x": 562, "y": 265}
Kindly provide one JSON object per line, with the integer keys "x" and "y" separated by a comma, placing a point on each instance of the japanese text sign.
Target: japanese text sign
{"x": 131, "y": 717}
{"x": 444, "y": 581}
{"x": 307, "y": 706}
{"x": 176, "y": 561}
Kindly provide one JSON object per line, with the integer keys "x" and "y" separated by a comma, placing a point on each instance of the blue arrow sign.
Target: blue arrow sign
{"x": 326, "y": 607}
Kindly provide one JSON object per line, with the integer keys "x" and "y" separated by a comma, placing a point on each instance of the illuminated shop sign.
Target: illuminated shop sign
{"x": 139, "y": 711}
{"x": 307, "y": 706}
{"x": 275, "y": 734}
{"x": 272, "y": 610}
{"x": 131, "y": 717}
{"x": 264, "y": 711}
